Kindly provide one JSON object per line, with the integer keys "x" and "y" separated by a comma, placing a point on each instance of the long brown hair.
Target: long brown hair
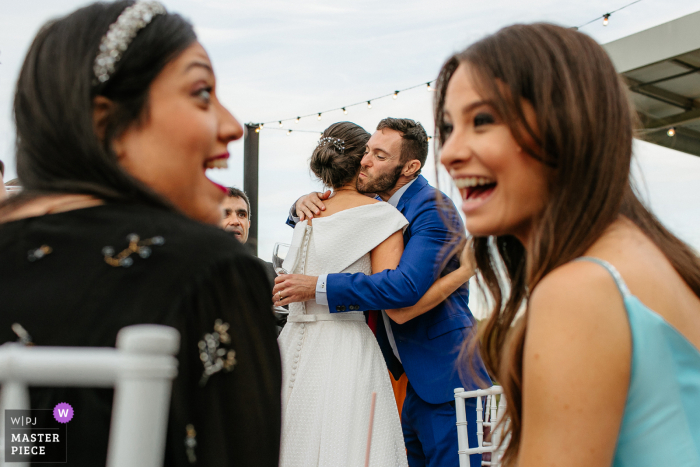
{"x": 584, "y": 129}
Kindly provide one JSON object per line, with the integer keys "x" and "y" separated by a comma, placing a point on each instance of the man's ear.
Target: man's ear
{"x": 411, "y": 167}
{"x": 101, "y": 110}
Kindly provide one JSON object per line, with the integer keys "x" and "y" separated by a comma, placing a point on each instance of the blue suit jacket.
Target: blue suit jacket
{"x": 428, "y": 344}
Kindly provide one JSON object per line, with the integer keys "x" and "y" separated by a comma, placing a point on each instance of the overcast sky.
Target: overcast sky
{"x": 278, "y": 59}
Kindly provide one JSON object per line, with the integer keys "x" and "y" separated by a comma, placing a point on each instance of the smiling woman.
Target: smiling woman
{"x": 117, "y": 122}
{"x": 536, "y": 131}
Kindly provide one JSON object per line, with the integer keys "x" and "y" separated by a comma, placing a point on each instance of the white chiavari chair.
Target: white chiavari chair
{"x": 141, "y": 369}
{"x": 488, "y": 414}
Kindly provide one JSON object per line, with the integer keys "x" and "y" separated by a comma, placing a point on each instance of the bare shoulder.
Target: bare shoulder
{"x": 576, "y": 357}
{"x": 580, "y": 293}
{"x": 577, "y": 320}
{"x": 363, "y": 200}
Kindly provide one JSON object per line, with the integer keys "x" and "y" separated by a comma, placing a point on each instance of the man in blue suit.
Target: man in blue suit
{"x": 426, "y": 347}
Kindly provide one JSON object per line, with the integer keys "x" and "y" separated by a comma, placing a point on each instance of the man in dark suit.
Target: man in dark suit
{"x": 425, "y": 347}
{"x": 236, "y": 220}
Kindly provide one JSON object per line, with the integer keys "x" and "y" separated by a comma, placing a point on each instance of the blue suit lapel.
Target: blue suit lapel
{"x": 411, "y": 191}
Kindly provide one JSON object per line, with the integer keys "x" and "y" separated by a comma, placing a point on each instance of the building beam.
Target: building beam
{"x": 659, "y": 94}
{"x": 251, "y": 156}
{"x": 685, "y": 140}
{"x": 672, "y": 121}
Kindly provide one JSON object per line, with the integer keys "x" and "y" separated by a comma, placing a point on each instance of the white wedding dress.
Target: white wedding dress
{"x": 331, "y": 362}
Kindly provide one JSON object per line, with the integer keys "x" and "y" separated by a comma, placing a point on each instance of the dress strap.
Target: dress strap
{"x": 622, "y": 287}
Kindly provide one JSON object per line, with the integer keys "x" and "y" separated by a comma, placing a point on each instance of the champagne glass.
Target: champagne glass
{"x": 279, "y": 253}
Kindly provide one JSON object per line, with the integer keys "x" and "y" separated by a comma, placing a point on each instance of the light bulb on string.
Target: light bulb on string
{"x": 289, "y": 132}
{"x": 606, "y": 17}
{"x": 257, "y": 130}
{"x": 428, "y": 87}
{"x": 297, "y": 120}
{"x": 396, "y": 94}
{"x": 369, "y": 104}
{"x": 280, "y": 122}
{"x": 319, "y": 115}
{"x": 261, "y": 126}
{"x": 429, "y": 138}
{"x": 345, "y": 111}
{"x": 671, "y": 132}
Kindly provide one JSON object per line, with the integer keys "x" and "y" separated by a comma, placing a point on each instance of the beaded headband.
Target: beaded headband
{"x": 338, "y": 143}
{"x": 120, "y": 34}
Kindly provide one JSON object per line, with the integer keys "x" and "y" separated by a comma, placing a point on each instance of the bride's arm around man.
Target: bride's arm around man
{"x": 424, "y": 345}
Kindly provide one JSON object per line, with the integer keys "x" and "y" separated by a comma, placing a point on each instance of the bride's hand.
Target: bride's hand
{"x": 311, "y": 205}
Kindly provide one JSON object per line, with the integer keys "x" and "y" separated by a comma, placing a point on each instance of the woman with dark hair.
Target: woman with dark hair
{"x": 331, "y": 361}
{"x": 117, "y": 121}
{"x": 603, "y": 368}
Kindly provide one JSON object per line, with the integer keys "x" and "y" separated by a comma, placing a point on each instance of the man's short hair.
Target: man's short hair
{"x": 414, "y": 139}
{"x": 233, "y": 192}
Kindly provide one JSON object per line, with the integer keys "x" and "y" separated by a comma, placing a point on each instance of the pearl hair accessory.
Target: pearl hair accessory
{"x": 120, "y": 34}
{"x": 338, "y": 143}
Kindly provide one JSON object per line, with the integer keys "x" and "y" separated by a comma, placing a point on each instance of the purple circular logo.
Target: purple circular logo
{"x": 63, "y": 412}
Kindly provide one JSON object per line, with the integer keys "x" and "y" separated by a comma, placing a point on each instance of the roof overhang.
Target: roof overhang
{"x": 661, "y": 67}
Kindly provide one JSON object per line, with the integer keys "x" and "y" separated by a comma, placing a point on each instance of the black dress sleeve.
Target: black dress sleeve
{"x": 230, "y": 415}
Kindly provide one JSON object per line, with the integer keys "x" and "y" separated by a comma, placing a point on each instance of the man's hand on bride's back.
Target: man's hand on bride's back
{"x": 311, "y": 205}
{"x": 292, "y": 288}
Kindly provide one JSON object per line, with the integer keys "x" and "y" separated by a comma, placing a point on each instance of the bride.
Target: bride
{"x": 331, "y": 362}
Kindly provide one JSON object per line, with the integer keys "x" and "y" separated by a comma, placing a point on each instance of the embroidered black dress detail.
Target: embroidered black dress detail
{"x": 213, "y": 352}
{"x": 197, "y": 279}
{"x": 136, "y": 245}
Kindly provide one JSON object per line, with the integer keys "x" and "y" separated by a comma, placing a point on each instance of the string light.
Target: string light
{"x": 289, "y": 132}
{"x": 606, "y": 16}
{"x": 257, "y": 130}
{"x": 671, "y": 132}
{"x": 261, "y": 126}
{"x": 430, "y": 88}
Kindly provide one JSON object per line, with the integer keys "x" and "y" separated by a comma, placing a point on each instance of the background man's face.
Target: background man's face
{"x": 381, "y": 165}
{"x": 236, "y": 218}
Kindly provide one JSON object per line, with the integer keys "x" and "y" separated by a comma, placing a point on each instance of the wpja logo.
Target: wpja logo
{"x": 37, "y": 435}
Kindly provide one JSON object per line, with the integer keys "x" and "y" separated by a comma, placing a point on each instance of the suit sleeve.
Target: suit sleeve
{"x": 434, "y": 233}
{"x": 292, "y": 219}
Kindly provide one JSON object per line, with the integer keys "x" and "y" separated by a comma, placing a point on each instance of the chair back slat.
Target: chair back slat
{"x": 140, "y": 369}
{"x": 492, "y": 418}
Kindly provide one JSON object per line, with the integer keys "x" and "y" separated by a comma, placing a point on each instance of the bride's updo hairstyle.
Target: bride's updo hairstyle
{"x": 57, "y": 148}
{"x": 336, "y": 159}
{"x": 583, "y": 132}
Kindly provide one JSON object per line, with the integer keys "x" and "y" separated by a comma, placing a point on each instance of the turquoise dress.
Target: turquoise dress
{"x": 661, "y": 423}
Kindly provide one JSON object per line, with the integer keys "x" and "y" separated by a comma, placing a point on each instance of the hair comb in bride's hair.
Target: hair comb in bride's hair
{"x": 338, "y": 143}
{"x": 120, "y": 34}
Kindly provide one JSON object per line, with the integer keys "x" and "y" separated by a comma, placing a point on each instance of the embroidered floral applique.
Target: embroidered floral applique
{"x": 213, "y": 351}
{"x": 38, "y": 253}
{"x": 191, "y": 443}
{"x": 136, "y": 245}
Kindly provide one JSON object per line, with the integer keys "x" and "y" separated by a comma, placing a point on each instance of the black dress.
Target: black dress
{"x": 82, "y": 287}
